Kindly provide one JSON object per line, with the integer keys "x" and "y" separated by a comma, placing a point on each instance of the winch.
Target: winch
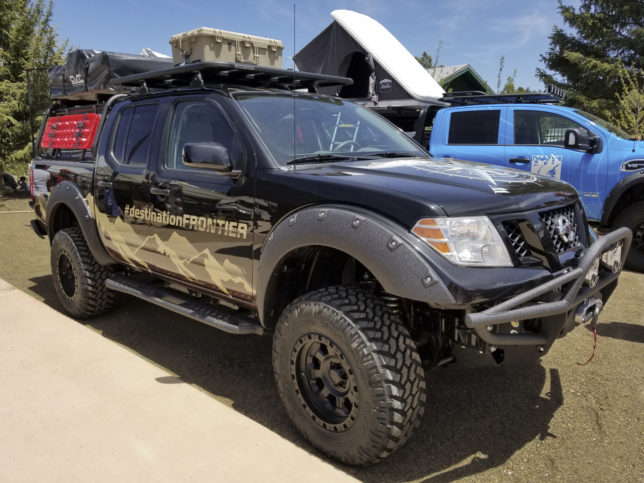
{"x": 588, "y": 311}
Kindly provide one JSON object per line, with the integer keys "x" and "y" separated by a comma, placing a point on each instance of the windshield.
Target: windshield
{"x": 605, "y": 124}
{"x": 303, "y": 128}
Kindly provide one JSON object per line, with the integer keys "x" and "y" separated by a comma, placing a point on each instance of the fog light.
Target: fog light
{"x": 612, "y": 259}
{"x": 592, "y": 275}
{"x": 515, "y": 324}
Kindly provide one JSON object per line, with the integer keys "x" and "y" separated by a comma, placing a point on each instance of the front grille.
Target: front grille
{"x": 516, "y": 239}
{"x": 562, "y": 227}
{"x": 551, "y": 238}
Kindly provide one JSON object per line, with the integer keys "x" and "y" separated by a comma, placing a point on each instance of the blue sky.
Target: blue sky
{"x": 475, "y": 32}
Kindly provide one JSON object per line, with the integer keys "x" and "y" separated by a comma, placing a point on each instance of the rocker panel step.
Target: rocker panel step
{"x": 219, "y": 318}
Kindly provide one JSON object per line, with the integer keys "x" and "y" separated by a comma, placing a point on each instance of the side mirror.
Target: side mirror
{"x": 576, "y": 139}
{"x": 208, "y": 155}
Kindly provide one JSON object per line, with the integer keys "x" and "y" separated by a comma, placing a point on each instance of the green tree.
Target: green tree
{"x": 629, "y": 114}
{"x": 28, "y": 45}
{"x": 425, "y": 60}
{"x": 509, "y": 87}
{"x": 500, "y": 75}
{"x": 588, "y": 57}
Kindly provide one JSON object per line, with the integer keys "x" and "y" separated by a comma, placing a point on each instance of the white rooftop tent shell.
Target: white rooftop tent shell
{"x": 357, "y": 46}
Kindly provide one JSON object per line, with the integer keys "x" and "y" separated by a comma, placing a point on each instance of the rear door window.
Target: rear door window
{"x": 474, "y": 127}
{"x": 133, "y": 134}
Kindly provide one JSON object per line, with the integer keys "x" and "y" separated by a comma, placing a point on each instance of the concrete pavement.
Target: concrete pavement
{"x": 75, "y": 406}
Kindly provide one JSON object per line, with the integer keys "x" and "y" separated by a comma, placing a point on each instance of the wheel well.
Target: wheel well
{"x": 629, "y": 197}
{"x": 306, "y": 269}
{"x": 63, "y": 217}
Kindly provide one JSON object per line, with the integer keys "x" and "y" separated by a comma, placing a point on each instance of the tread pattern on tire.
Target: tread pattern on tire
{"x": 96, "y": 298}
{"x": 390, "y": 357}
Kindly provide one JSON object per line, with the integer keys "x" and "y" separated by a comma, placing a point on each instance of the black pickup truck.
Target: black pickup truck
{"x": 239, "y": 197}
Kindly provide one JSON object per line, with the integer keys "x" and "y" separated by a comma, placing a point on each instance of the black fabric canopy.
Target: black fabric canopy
{"x": 90, "y": 71}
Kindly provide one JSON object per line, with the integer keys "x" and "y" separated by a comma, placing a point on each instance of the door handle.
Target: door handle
{"x": 104, "y": 184}
{"x": 519, "y": 160}
{"x": 159, "y": 191}
{"x": 235, "y": 209}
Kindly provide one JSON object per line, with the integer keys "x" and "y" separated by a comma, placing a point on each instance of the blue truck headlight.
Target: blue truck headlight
{"x": 468, "y": 241}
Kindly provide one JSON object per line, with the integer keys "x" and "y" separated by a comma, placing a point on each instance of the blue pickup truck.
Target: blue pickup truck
{"x": 602, "y": 162}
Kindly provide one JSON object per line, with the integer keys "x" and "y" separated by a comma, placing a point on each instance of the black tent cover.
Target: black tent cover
{"x": 89, "y": 72}
{"x": 335, "y": 52}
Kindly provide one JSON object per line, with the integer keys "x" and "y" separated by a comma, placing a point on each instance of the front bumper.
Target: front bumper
{"x": 572, "y": 287}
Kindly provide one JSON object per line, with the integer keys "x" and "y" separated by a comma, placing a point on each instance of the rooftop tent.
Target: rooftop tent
{"x": 87, "y": 73}
{"x": 357, "y": 46}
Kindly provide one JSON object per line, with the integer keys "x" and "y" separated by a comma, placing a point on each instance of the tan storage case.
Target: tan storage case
{"x": 213, "y": 45}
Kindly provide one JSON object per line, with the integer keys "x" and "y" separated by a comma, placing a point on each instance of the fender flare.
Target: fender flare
{"x": 616, "y": 193}
{"x": 68, "y": 194}
{"x": 390, "y": 253}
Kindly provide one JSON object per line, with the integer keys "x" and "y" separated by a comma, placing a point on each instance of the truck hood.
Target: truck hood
{"x": 442, "y": 186}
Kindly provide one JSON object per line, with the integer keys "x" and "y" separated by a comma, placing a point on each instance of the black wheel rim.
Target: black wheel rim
{"x": 324, "y": 382}
{"x": 66, "y": 275}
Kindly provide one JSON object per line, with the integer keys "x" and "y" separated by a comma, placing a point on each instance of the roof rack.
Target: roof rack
{"x": 552, "y": 95}
{"x": 198, "y": 74}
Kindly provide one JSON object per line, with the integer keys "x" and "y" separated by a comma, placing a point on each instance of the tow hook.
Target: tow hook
{"x": 588, "y": 311}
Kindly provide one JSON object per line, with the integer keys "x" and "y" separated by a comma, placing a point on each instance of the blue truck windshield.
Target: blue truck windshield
{"x": 606, "y": 125}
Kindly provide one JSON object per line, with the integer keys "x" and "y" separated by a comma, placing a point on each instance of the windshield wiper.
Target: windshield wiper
{"x": 393, "y": 154}
{"x": 324, "y": 158}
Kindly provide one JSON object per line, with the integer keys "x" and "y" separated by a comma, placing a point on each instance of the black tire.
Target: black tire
{"x": 78, "y": 280}
{"x": 349, "y": 374}
{"x": 633, "y": 218}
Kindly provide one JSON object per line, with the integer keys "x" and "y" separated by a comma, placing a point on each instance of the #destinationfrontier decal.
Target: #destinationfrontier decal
{"x": 191, "y": 222}
{"x": 178, "y": 255}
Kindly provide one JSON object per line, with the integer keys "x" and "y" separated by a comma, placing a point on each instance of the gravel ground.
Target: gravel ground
{"x": 552, "y": 420}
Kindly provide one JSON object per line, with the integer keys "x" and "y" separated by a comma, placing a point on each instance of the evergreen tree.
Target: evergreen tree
{"x": 508, "y": 87}
{"x": 629, "y": 112}
{"x": 425, "y": 60}
{"x": 500, "y": 76}
{"x": 604, "y": 39}
{"x": 28, "y": 45}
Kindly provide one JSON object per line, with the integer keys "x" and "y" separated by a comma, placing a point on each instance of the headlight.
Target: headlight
{"x": 471, "y": 240}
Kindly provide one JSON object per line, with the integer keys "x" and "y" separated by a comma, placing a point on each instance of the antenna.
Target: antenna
{"x": 293, "y": 89}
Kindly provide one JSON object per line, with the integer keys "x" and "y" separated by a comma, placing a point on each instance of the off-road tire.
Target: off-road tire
{"x": 356, "y": 337}
{"x": 633, "y": 218}
{"x": 78, "y": 280}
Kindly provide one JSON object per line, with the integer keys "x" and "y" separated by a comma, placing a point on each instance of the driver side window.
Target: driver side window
{"x": 542, "y": 128}
{"x": 195, "y": 122}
